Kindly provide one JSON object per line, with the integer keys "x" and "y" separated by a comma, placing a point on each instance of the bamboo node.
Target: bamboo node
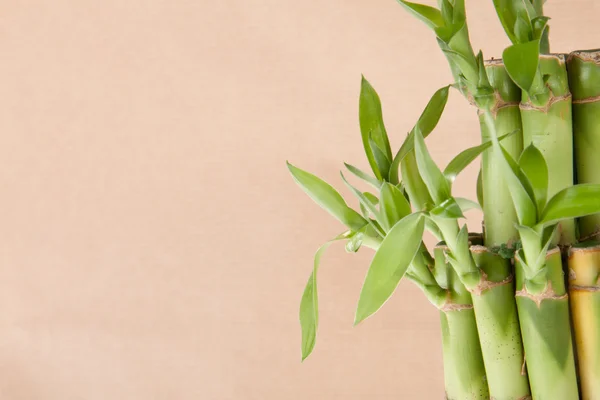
{"x": 547, "y": 294}
{"x": 499, "y": 104}
{"x": 485, "y": 285}
{"x": 553, "y": 99}
{"x": 449, "y": 306}
{"x": 587, "y": 100}
{"x": 581, "y": 288}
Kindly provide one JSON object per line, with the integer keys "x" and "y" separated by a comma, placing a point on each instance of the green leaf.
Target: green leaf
{"x": 382, "y": 161}
{"x": 521, "y": 62}
{"x": 449, "y": 208}
{"x": 389, "y": 264}
{"x": 327, "y": 197}
{"x": 371, "y": 125}
{"x": 539, "y": 26}
{"x": 309, "y": 305}
{"x": 360, "y": 174}
{"x": 461, "y": 161}
{"x": 523, "y": 29}
{"x": 426, "y": 124}
{"x": 573, "y": 202}
{"x": 480, "y": 189}
{"x": 430, "y": 15}
{"x": 354, "y": 243}
{"x": 509, "y": 10}
{"x": 393, "y": 205}
{"x": 466, "y": 204}
{"x": 467, "y": 67}
{"x": 413, "y": 183}
{"x": 534, "y": 167}
{"x": 434, "y": 179}
{"x": 366, "y": 202}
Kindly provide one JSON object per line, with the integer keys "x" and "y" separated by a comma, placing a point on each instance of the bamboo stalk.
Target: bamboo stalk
{"x": 584, "y": 80}
{"x": 545, "y": 325}
{"x": 498, "y": 214}
{"x": 464, "y": 371}
{"x": 549, "y": 127}
{"x": 584, "y": 290}
{"x": 498, "y": 326}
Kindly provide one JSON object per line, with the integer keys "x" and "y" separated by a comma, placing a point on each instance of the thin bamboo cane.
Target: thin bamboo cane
{"x": 549, "y": 128}
{"x": 584, "y": 80}
{"x": 498, "y": 213}
{"x": 464, "y": 371}
{"x": 584, "y": 290}
{"x": 545, "y": 325}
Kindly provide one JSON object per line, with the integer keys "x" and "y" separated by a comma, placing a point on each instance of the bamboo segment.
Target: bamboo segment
{"x": 545, "y": 325}
{"x": 584, "y": 80}
{"x": 498, "y": 213}
{"x": 549, "y": 128}
{"x": 464, "y": 372}
{"x": 584, "y": 290}
{"x": 498, "y": 326}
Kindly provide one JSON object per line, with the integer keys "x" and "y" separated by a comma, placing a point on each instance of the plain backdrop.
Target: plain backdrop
{"x": 152, "y": 243}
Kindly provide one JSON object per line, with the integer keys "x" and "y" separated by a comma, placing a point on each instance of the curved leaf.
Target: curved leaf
{"x": 389, "y": 265}
{"x": 327, "y": 197}
{"x": 371, "y": 125}
{"x": 438, "y": 186}
{"x": 371, "y": 180}
{"x": 534, "y": 167}
{"x": 309, "y": 305}
{"x": 413, "y": 183}
{"x": 521, "y": 61}
{"x": 426, "y": 124}
{"x": 448, "y": 209}
{"x": 393, "y": 205}
{"x": 430, "y": 15}
{"x": 466, "y": 204}
{"x": 572, "y": 202}
{"x": 461, "y": 161}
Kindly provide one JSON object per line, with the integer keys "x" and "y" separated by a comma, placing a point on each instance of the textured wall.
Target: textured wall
{"x": 153, "y": 245}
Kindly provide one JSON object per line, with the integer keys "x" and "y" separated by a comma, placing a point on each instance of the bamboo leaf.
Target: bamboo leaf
{"x": 371, "y": 125}
{"x": 309, "y": 304}
{"x": 534, "y": 167}
{"x": 371, "y": 180}
{"x": 466, "y": 204}
{"x": 381, "y": 159}
{"x": 413, "y": 183}
{"x": 327, "y": 197}
{"x": 434, "y": 179}
{"x": 366, "y": 202}
{"x": 466, "y": 157}
{"x": 521, "y": 62}
{"x": 430, "y": 15}
{"x": 393, "y": 205}
{"x": 426, "y": 123}
{"x": 389, "y": 265}
{"x": 449, "y": 208}
{"x": 573, "y": 202}
{"x": 539, "y": 25}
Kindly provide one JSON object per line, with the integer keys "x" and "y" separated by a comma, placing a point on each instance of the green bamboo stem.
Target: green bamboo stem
{"x": 464, "y": 371}
{"x": 584, "y": 291}
{"x": 498, "y": 326}
{"x": 545, "y": 325}
{"x": 584, "y": 80}
{"x": 549, "y": 127}
{"x": 498, "y": 213}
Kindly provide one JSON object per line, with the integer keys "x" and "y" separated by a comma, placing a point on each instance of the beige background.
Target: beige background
{"x": 153, "y": 245}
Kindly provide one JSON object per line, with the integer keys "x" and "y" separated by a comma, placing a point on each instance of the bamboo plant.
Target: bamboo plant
{"x": 383, "y": 224}
{"x": 490, "y": 89}
{"x": 505, "y": 305}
